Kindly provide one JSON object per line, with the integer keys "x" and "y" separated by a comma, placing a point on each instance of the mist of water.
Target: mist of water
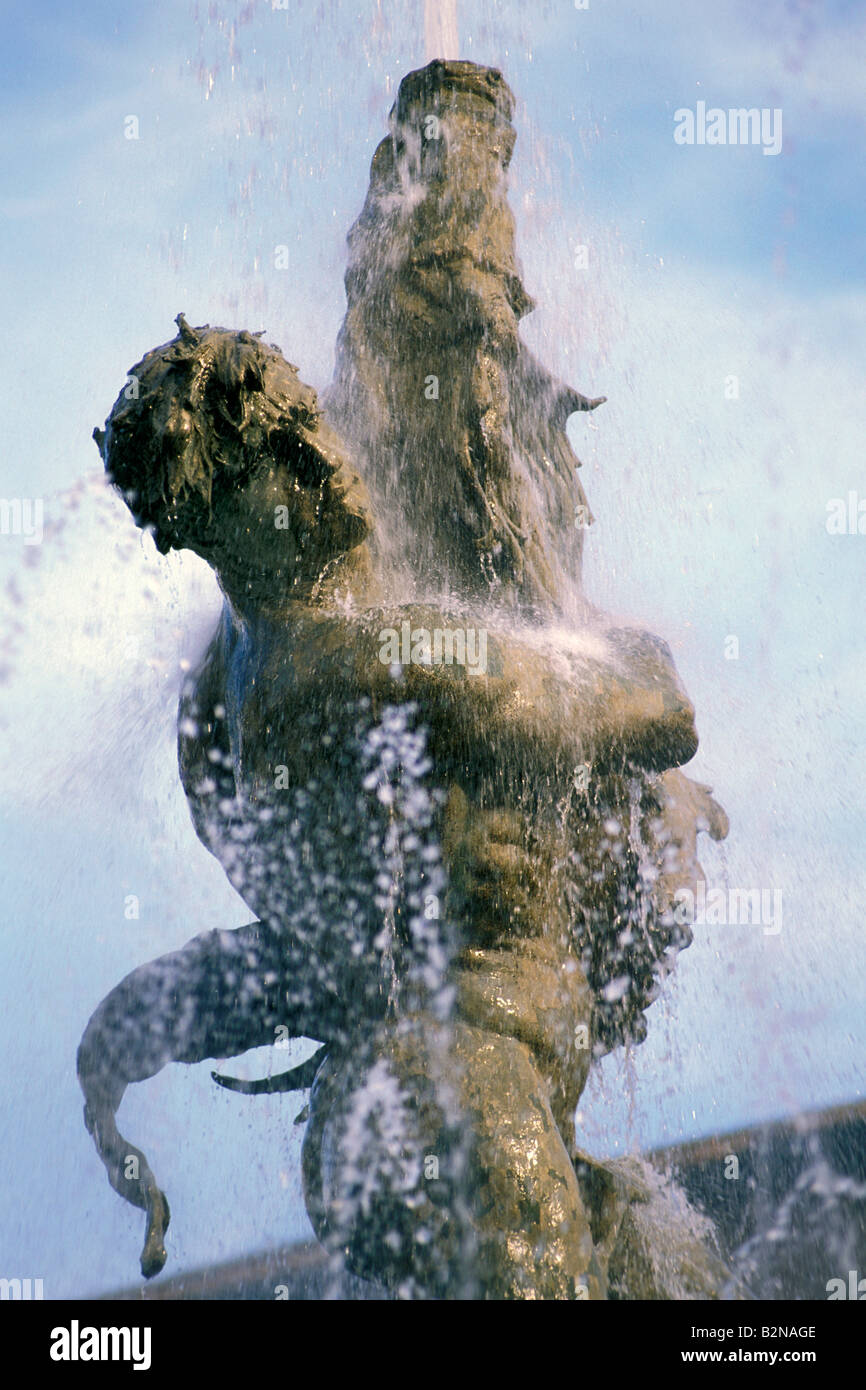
{"x": 120, "y": 632}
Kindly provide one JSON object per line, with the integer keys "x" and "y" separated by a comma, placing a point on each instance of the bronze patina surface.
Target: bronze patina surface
{"x": 463, "y": 874}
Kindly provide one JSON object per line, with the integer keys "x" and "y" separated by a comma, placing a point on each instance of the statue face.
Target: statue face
{"x": 273, "y": 529}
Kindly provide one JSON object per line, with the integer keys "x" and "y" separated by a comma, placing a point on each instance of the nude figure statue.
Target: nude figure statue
{"x": 463, "y": 878}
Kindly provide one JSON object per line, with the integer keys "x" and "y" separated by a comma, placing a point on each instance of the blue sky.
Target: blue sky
{"x": 257, "y": 128}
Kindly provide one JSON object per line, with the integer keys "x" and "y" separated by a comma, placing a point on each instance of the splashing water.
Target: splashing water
{"x": 112, "y": 752}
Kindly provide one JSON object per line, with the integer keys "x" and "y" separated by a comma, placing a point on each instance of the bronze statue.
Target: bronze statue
{"x": 445, "y": 784}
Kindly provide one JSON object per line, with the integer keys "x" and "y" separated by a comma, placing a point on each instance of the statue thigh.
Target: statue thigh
{"x": 433, "y": 1163}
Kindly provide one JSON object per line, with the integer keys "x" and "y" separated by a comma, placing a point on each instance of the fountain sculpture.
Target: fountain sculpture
{"x": 448, "y": 787}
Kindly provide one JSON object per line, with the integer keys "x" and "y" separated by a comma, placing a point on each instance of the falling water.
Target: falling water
{"x": 131, "y": 624}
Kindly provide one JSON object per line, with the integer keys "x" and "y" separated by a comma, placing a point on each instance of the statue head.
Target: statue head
{"x": 218, "y": 447}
